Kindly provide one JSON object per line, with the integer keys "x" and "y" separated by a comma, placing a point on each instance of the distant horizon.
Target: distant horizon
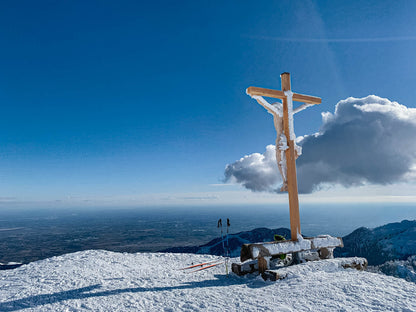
{"x": 338, "y": 197}
{"x": 34, "y": 234}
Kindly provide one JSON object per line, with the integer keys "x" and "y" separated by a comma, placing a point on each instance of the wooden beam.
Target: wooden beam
{"x": 268, "y": 249}
{"x": 281, "y": 95}
{"x": 346, "y": 263}
{"x": 306, "y": 98}
{"x": 292, "y": 184}
{"x": 244, "y": 268}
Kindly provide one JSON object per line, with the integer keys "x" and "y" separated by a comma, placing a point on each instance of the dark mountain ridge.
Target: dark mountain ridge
{"x": 215, "y": 246}
{"x": 393, "y": 241}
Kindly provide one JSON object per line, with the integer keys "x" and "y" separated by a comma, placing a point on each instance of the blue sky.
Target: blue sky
{"x": 144, "y": 102}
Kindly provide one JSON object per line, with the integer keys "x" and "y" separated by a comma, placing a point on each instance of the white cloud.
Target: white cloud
{"x": 367, "y": 140}
{"x": 257, "y": 172}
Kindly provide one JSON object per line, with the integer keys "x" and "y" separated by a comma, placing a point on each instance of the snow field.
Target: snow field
{"x": 107, "y": 281}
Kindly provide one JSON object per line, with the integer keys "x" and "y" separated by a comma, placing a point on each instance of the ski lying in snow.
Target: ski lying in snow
{"x": 206, "y": 267}
{"x": 199, "y": 264}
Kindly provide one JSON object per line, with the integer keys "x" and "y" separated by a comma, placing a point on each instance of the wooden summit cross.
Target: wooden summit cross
{"x": 283, "y": 121}
{"x": 322, "y": 246}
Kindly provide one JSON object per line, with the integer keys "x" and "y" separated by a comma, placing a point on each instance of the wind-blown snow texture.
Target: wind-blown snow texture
{"x": 109, "y": 281}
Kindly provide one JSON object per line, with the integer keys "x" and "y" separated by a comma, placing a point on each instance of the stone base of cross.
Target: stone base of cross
{"x": 286, "y": 149}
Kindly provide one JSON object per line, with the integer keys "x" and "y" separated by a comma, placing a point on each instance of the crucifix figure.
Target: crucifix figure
{"x": 286, "y": 149}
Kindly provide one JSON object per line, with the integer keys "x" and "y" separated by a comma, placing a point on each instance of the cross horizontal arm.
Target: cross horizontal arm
{"x": 278, "y": 94}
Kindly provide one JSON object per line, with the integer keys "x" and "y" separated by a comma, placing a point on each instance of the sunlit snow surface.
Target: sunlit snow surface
{"x": 109, "y": 281}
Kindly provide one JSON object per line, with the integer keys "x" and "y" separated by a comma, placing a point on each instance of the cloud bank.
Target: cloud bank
{"x": 256, "y": 172}
{"x": 367, "y": 140}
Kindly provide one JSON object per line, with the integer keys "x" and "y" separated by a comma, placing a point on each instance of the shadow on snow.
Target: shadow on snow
{"x": 86, "y": 292}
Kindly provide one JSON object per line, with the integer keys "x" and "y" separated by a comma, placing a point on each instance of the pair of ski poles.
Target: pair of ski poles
{"x": 206, "y": 265}
{"x": 226, "y": 250}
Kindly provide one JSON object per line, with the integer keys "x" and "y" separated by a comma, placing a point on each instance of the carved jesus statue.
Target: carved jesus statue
{"x": 281, "y": 143}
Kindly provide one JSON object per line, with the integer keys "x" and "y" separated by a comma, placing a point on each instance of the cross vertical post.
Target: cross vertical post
{"x": 292, "y": 184}
{"x": 283, "y": 119}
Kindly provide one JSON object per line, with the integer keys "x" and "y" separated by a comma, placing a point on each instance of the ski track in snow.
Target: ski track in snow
{"x": 98, "y": 280}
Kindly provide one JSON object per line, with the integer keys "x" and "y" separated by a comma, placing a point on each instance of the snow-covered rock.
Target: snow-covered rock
{"x": 108, "y": 281}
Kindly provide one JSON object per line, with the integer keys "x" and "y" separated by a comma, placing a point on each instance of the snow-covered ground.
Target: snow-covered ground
{"x": 108, "y": 281}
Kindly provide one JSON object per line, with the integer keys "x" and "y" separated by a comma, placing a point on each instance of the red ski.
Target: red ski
{"x": 200, "y": 264}
{"x": 206, "y": 267}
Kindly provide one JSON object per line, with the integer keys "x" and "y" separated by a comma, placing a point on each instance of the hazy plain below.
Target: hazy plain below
{"x": 32, "y": 234}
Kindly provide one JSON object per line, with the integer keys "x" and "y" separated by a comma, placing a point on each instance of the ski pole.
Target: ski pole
{"x": 222, "y": 236}
{"x": 228, "y": 245}
{"x": 228, "y": 248}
